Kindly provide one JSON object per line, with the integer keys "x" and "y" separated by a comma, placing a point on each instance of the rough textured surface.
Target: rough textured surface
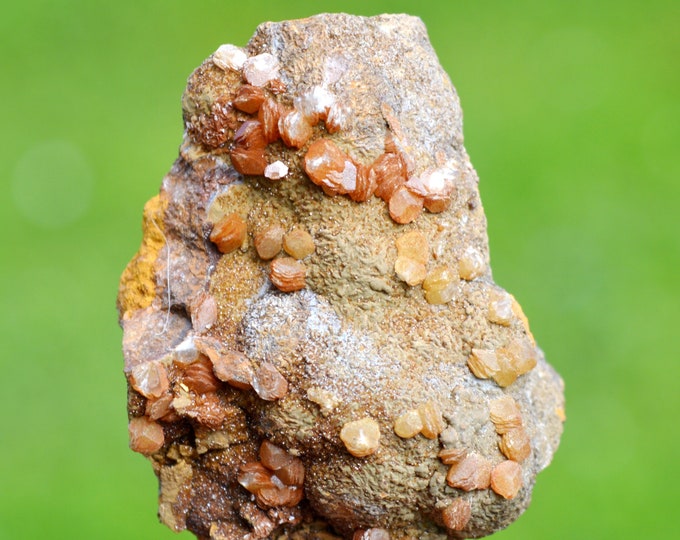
{"x": 356, "y": 341}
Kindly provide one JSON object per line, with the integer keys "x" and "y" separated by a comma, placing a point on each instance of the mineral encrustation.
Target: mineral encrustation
{"x": 314, "y": 345}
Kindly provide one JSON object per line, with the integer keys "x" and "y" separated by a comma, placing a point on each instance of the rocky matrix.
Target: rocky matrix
{"x": 314, "y": 345}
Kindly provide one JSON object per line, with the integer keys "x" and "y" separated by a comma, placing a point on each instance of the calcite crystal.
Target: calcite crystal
{"x": 314, "y": 345}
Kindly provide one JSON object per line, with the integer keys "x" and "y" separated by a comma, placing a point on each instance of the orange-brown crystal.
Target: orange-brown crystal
{"x": 294, "y": 129}
{"x": 433, "y": 423}
{"x": 268, "y": 243}
{"x": 249, "y": 98}
{"x": 451, "y": 456}
{"x": 361, "y": 437}
{"x": 274, "y": 457}
{"x": 366, "y": 184}
{"x": 150, "y": 379}
{"x": 515, "y": 444}
{"x": 233, "y": 368}
{"x": 505, "y": 414}
{"x": 298, "y": 243}
{"x": 146, "y": 436}
{"x": 254, "y": 476}
{"x": 409, "y": 424}
{"x": 280, "y": 496}
{"x": 229, "y": 233}
{"x": 440, "y": 285}
{"x": 287, "y": 274}
{"x": 249, "y": 161}
{"x": 472, "y": 472}
{"x": 390, "y": 173}
{"x": 199, "y": 376}
{"x": 405, "y": 206}
{"x": 329, "y": 167}
{"x": 268, "y": 383}
{"x": 269, "y": 114}
{"x": 292, "y": 474}
{"x": 506, "y": 479}
{"x": 456, "y": 515}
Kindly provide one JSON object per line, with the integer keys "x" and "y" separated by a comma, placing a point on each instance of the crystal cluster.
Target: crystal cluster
{"x": 314, "y": 345}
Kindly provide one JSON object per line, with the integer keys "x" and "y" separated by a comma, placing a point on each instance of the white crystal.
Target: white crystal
{"x": 315, "y": 103}
{"x": 295, "y": 129}
{"x": 435, "y": 182}
{"x": 186, "y": 353}
{"x": 349, "y": 177}
{"x": 149, "y": 379}
{"x": 259, "y": 70}
{"x": 229, "y": 57}
{"x": 276, "y": 170}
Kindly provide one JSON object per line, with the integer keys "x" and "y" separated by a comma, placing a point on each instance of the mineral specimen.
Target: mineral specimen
{"x": 314, "y": 345}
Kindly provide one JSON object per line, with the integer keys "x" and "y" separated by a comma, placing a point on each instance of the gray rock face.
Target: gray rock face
{"x": 314, "y": 343}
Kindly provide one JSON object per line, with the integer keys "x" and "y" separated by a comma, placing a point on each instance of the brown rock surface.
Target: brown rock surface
{"x": 357, "y": 341}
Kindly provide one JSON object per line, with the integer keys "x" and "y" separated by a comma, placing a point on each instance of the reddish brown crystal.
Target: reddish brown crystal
{"x": 366, "y": 184}
{"x": 472, "y": 472}
{"x": 274, "y": 457}
{"x": 280, "y": 496}
{"x": 229, "y": 233}
{"x": 146, "y": 436}
{"x": 234, "y": 368}
{"x": 515, "y": 444}
{"x": 269, "y": 383}
{"x": 404, "y": 205}
{"x": 248, "y": 154}
{"x": 456, "y": 515}
{"x": 287, "y": 274}
{"x": 150, "y": 379}
{"x": 390, "y": 174}
{"x": 250, "y": 135}
{"x": 268, "y": 243}
{"x": 249, "y": 98}
{"x": 292, "y": 474}
{"x": 199, "y": 376}
{"x": 329, "y": 167}
{"x": 254, "y": 476}
{"x": 506, "y": 479}
{"x": 270, "y": 113}
{"x": 294, "y": 129}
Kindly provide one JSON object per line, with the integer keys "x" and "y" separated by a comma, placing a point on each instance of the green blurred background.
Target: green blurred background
{"x": 572, "y": 115}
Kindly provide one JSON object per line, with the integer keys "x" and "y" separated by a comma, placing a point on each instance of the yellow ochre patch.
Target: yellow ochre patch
{"x": 137, "y": 285}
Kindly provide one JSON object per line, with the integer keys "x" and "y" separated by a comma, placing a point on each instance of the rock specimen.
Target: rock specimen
{"x": 314, "y": 344}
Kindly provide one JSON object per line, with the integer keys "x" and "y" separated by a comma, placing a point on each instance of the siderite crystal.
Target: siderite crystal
{"x": 378, "y": 388}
